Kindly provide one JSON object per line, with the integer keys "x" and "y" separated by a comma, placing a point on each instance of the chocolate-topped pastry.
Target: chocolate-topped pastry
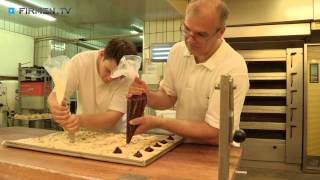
{"x": 117, "y": 151}
{"x": 135, "y": 109}
{"x": 157, "y": 145}
{"x": 163, "y": 141}
{"x": 149, "y": 149}
{"x": 138, "y": 154}
{"x": 170, "y": 138}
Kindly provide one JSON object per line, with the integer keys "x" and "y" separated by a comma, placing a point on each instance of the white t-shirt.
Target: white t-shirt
{"x": 93, "y": 95}
{"x": 194, "y": 84}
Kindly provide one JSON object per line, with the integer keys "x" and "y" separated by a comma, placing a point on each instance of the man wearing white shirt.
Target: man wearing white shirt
{"x": 194, "y": 68}
{"x": 101, "y": 100}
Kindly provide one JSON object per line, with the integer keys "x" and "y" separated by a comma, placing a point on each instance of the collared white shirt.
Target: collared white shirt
{"x": 93, "y": 95}
{"x": 194, "y": 84}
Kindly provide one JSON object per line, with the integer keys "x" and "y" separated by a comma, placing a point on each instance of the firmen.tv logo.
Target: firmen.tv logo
{"x": 11, "y": 10}
{"x": 51, "y": 11}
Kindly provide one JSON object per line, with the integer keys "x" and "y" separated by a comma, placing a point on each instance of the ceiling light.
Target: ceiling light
{"x": 44, "y": 16}
{"x": 34, "y": 3}
{"x": 141, "y": 36}
{"x": 134, "y": 32}
{"x": 160, "y": 52}
{"x": 17, "y": 6}
{"x": 139, "y": 28}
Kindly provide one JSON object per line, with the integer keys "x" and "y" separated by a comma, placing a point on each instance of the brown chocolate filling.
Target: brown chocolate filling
{"x": 117, "y": 151}
{"x": 163, "y": 142}
{"x": 170, "y": 138}
{"x": 138, "y": 154}
{"x": 157, "y": 145}
{"x": 135, "y": 109}
{"x": 149, "y": 149}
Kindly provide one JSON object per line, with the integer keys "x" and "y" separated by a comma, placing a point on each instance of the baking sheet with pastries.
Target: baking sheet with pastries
{"x": 102, "y": 146}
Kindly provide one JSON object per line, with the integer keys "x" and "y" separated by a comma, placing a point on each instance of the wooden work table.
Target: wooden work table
{"x": 187, "y": 161}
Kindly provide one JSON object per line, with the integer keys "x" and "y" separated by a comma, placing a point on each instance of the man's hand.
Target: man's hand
{"x": 138, "y": 87}
{"x": 59, "y": 112}
{"x": 72, "y": 124}
{"x": 146, "y": 123}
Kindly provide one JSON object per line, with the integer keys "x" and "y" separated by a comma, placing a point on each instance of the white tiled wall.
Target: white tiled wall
{"x": 46, "y": 48}
{"x": 52, "y": 48}
{"x": 8, "y": 24}
{"x": 160, "y": 32}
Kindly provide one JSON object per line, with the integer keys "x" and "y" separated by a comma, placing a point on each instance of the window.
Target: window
{"x": 160, "y": 52}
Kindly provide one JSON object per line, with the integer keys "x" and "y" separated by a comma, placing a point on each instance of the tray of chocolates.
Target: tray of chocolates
{"x": 103, "y": 146}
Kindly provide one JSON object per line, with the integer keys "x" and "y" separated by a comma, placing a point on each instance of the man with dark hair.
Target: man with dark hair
{"x": 194, "y": 68}
{"x": 101, "y": 100}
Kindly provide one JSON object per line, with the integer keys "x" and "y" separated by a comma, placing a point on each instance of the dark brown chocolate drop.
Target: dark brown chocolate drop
{"x": 138, "y": 154}
{"x": 117, "y": 151}
{"x": 149, "y": 149}
{"x": 170, "y": 138}
{"x": 163, "y": 141}
{"x": 157, "y": 145}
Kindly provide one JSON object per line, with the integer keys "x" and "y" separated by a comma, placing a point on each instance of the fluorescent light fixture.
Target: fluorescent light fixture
{"x": 160, "y": 58}
{"x": 17, "y": 6}
{"x": 44, "y": 16}
{"x": 136, "y": 26}
{"x": 58, "y": 47}
{"x": 162, "y": 49}
{"x": 134, "y": 32}
{"x": 34, "y": 3}
{"x": 9, "y": 4}
{"x": 160, "y": 53}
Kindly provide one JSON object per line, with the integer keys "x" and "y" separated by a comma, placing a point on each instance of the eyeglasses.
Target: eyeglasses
{"x": 198, "y": 36}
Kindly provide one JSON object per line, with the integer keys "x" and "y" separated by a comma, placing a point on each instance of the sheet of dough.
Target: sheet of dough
{"x": 101, "y": 146}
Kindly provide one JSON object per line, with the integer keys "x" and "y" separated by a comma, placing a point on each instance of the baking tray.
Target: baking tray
{"x": 157, "y": 153}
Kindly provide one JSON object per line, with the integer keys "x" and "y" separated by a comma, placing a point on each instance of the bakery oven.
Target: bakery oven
{"x": 272, "y": 113}
{"x": 311, "y": 150}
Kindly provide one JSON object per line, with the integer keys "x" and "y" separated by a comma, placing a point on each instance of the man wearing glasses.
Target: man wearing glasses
{"x": 194, "y": 67}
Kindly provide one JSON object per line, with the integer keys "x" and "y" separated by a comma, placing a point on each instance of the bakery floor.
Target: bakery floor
{"x": 272, "y": 172}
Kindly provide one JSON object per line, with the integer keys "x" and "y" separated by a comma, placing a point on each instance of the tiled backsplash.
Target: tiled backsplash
{"x": 8, "y": 24}
{"x": 51, "y": 46}
{"x": 160, "y": 31}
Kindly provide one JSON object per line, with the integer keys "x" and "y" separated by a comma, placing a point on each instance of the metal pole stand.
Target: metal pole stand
{"x": 226, "y": 126}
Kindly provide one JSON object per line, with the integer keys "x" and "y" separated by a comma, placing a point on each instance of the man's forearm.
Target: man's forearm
{"x": 52, "y": 99}
{"x": 199, "y": 131}
{"x": 160, "y": 100}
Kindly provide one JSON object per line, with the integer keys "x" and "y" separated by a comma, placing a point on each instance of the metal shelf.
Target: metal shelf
{"x": 267, "y": 92}
{"x": 268, "y": 76}
{"x": 32, "y": 102}
{"x": 266, "y": 59}
{"x": 263, "y": 125}
{"x": 264, "y": 109}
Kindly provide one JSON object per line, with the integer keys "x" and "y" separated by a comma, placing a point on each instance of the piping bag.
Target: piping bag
{"x": 129, "y": 67}
{"x": 57, "y": 68}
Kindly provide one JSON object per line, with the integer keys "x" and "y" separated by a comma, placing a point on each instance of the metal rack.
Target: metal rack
{"x": 226, "y": 135}
{"x": 272, "y": 112}
{"x": 311, "y": 146}
{"x": 34, "y": 86}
